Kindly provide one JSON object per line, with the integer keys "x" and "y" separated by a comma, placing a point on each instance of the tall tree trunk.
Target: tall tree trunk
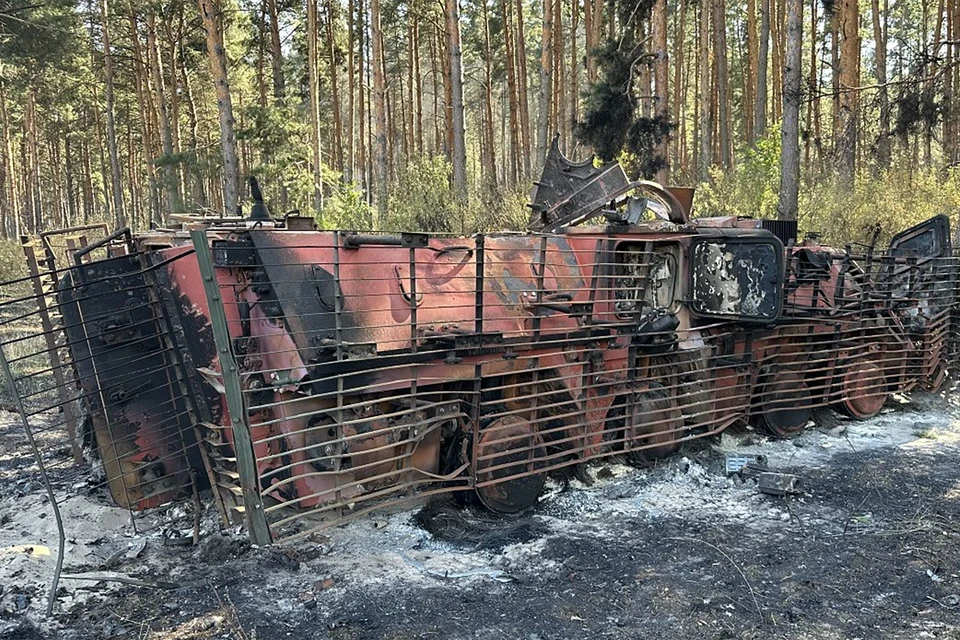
{"x": 439, "y": 144}
{"x": 790, "y": 135}
{"x": 380, "y": 115}
{"x": 9, "y": 199}
{"x": 514, "y": 106}
{"x": 313, "y": 104}
{"x": 409, "y": 118}
{"x": 520, "y": 52}
{"x": 68, "y": 167}
{"x": 443, "y": 49}
{"x": 546, "y": 83}
{"x": 261, "y": 27}
{"x": 812, "y": 88}
{"x": 452, "y": 14}
{"x": 723, "y": 83}
{"x": 103, "y": 163}
{"x": 350, "y": 168}
{"x": 574, "y": 114}
{"x": 558, "y": 105}
{"x": 166, "y": 137}
{"x": 175, "y": 93}
{"x": 706, "y": 93}
{"x": 337, "y": 153}
{"x": 418, "y": 80}
{"x": 763, "y": 49}
{"x": 949, "y": 119}
{"x": 489, "y": 156}
{"x": 661, "y": 74}
{"x": 776, "y": 59}
{"x": 680, "y": 80}
{"x": 880, "y": 57}
{"x": 34, "y": 194}
{"x": 141, "y": 75}
{"x": 199, "y": 192}
{"x": 210, "y": 11}
{"x": 115, "y": 183}
{"x": 593, "y": 25}
{"x": 750, "y": 86}
{"x": 849, "y": 103}
{"x": 276, "y": 53}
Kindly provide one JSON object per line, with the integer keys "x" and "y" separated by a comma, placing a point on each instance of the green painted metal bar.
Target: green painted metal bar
{"x": 254, "y": 516}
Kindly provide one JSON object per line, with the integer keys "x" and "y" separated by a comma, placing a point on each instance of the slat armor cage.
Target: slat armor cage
{"x": 307, "y": 376}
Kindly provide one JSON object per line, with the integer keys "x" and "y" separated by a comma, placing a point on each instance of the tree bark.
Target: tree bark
{"x": 546, "y": 83}
{"x": 723, "y": 83}
{"x": 706, "y": 93}
{"x": 880, "y": 57}
{"x": 337, "y": 154}
{"x": 170, "y": 181}
{"x": 211, "y": 13}
{"x": 763, "y": 50}
{"x": 350, "y": 168}
{"x": 849, "y": 101}
{"x": 574, "y": 114}
{"x": 520, "y": 52}
{"x": 313, "y": 104}
{"x": 661, "y": 74}
{"x": 456, "y": 85}
{"x": 276, "y": 53}
{"x": 680, "y": 81}
{"x": 380, "y": 116}
{"x": 790, "y": 134}
{"x": 115, "y": 183}
{"x": 489, "y": 155}
{"x": 515, "y": 146}
{"x": 750, "y": 86}
{"x": 9, "y": 200}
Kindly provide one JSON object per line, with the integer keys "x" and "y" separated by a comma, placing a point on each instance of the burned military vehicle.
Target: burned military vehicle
{"x": 309, "y": 376}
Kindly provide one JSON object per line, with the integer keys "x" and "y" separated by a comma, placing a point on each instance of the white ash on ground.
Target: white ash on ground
{"x": 380, "y": 552}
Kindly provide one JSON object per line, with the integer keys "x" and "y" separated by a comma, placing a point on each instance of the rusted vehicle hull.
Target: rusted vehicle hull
{"x": 310, "y": 376}
{"x": 374, "y": 369}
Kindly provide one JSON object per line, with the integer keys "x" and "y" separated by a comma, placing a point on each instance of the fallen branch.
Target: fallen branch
{"x": 137, "y": 582}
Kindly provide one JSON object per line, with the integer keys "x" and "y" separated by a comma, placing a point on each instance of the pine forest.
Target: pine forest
{"x": 411, "y": 114}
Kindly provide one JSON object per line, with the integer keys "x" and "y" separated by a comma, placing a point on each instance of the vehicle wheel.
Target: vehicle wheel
{"x": 510, "y": 455}
{"x": 863, "y": 388}
{"x": 656, "y": 425}
{"x": 784, "y": 403}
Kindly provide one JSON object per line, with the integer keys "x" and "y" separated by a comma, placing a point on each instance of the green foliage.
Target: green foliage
{"x": 610, "y": 123}
{"x": 13, "y": 266}
{"x": 894, "y": 200}
{"x": 345, "y": 207}
{"x": 37, "y": 34}
{"x": 283, "y": 141}
{"x": 750, "y": 191}
{"x": 421, "y": 198}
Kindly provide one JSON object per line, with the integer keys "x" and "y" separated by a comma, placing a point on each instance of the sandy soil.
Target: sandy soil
{"x": 870, "y": 548}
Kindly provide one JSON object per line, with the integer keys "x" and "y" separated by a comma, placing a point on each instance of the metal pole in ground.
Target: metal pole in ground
{"x": 11, "y": 384}
{"x": 254, "y": 516}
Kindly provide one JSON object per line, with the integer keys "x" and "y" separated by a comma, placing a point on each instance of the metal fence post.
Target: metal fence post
{"x": 254, "y": 515}
{"x": 11, "y": 382}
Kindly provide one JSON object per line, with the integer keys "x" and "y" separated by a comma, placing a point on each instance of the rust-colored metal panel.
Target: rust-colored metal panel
{"x": 376, "y": 369}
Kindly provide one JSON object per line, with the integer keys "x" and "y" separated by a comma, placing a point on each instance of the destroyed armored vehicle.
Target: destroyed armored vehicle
{"x": 309, "y": 376}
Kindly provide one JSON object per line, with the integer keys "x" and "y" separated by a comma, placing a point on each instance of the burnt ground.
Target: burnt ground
{"x": 869, "y": 549}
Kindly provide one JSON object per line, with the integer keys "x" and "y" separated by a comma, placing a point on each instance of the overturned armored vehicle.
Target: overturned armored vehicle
{"x": 304, "y": 373}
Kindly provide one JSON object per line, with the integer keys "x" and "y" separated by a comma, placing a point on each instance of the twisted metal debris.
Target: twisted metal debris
{"x": 307, "y": 377}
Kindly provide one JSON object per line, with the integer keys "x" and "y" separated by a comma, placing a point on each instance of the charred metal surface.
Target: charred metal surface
{"x": 315, "y": 376}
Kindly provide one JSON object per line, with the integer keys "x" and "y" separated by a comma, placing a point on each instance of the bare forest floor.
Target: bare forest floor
{"x": 869, "y": 549}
